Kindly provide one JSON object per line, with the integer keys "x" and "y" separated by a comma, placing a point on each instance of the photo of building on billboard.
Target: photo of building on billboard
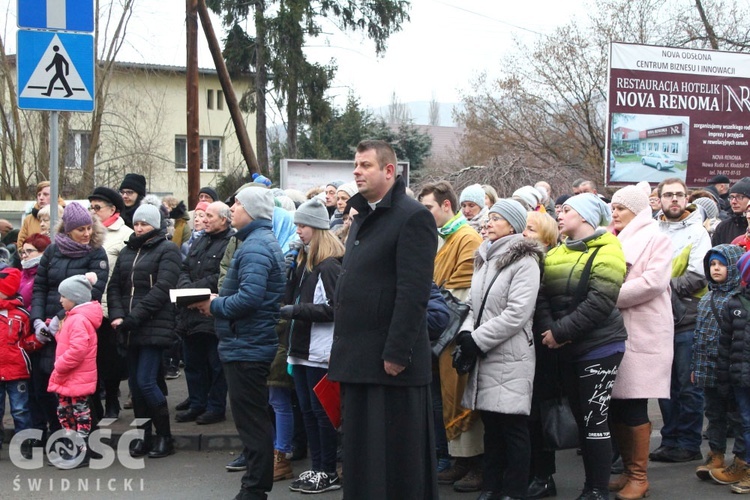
{"x": 648, "y": 148}
{"x": 677, "y": 113}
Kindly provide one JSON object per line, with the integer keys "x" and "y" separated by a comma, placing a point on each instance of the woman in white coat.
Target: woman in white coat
{"x": 497, "y": 335}
{"x": 645, "y": 305}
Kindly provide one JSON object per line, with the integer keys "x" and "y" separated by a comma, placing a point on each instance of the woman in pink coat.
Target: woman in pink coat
{"x": 74, "y": 377}
{"x": 645, "y": 305}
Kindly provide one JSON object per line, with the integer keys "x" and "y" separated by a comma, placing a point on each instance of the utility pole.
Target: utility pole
{"x": 193, "y": 131}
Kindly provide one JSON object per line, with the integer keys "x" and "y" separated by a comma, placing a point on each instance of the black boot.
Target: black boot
{"x": 541, "y": 487}
{"x": 112, "y": 406}
{"x": 163, "y": 445}
{"x": 141, "y": 447}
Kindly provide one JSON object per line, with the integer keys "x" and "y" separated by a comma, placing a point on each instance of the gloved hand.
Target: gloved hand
{"x": 468, "y": 346}
{"x": 54, "y": 325}
{"x": 286, "y": 312}
{"x": 39, "y": 325}
{"x": 127, "y": 325}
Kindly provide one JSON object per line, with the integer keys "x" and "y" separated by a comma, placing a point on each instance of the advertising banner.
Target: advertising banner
{"x": 677, "y": 113}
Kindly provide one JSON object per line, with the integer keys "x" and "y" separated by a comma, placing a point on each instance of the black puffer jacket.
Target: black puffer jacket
{"x": 729, "y": 229}
{"x": 733, "y": 367}
{"x": 201, "y": 270}
{"x": 147, "y": 268}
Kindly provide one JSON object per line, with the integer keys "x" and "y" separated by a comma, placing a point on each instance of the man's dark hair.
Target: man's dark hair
{"x": 441, "y": 191}
{"x": 671, "y": 180}
{"x": 383, "y": 151}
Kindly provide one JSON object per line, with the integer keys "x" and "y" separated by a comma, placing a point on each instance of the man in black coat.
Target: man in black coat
{"x": 207, "y": 386}
{"x": 380, "y": 351}
{"x": 736, "y": 224}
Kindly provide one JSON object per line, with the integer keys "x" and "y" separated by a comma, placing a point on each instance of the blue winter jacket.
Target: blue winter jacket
{"x": 247, "y": 308}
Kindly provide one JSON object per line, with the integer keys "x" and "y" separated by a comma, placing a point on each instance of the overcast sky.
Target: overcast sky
{"x": 446, "y": 44}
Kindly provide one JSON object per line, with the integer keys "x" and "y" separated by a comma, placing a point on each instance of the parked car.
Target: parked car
{"x": 659, "y": 160}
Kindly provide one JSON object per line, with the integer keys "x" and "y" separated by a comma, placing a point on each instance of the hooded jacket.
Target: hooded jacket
{"x": 595, "y": 321}
{"x": 727, "y": 230}
{"x": 645, "y": 305}
{"x": 733, "y": 366}
{"x": 708, "y": 325}
{"x": 15, "y": 332}
{"x": 75, "y": 358}
{"x": 502, "y": 380}
{"x": 690, "y": 242}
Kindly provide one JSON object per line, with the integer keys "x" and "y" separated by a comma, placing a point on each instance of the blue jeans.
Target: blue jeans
{"x": 683, "y": 411}
{"x": 720, "y": 418}
{"x": 143, "y": 368}
{"x": 207, "y": 386}
{"x": 280, "y": 398}
{"x": 742, "y": 395}
{"x": 321, "y": 435}
{"x": 18, "y": 395}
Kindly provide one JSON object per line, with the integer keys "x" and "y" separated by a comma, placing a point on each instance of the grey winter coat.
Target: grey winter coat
{"x": 502, "y": 381}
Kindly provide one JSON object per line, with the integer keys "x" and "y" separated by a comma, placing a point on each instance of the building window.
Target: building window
{"x": 665, "y": 147}
{"x": 210, "y": 98}
{"x": 210, "y": 153}
{"x": 78, "y": 144}
{"x": 674, "y": 148}
{"x": 219, "y": 99}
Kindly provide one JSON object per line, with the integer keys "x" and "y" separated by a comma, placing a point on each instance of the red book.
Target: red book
{"x": 329, "y": 395}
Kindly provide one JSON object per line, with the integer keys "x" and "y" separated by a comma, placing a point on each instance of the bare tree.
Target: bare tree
{"x": 398, "y": 112}
{"x": 434, "y": 118}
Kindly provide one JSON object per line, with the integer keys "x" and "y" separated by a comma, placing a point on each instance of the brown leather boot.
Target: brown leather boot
{"x": 714, "y": 460}
{"x": 637, "y": 486}
{"x": 282, "y": 466}
{"x": 622, "y": 438}
{"x": 472, "y": 481}
{"x": 455, "y": 472}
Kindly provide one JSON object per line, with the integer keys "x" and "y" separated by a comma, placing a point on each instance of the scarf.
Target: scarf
{"x": 111, "y": 220}
{"x": 135, "y": 242}
{"x": 70, "y": 248}
{"x": 452, "y": 225}
{"x": 29, "y": 263}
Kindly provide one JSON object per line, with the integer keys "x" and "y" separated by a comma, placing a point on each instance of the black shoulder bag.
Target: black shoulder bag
{"x": 559, "y": 427}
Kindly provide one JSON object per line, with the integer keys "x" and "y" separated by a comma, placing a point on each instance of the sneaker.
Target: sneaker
{"x": 731, "y": 474}
{"x": 172, "y": 373}
{"x": 443, "y": 464}
{"x": 302, "y": 479}
{"x": 238, "y": 464}
{"x": 320, "y": 482}
{"x": 714, "y": 460}
{"x": 743, "y": 487}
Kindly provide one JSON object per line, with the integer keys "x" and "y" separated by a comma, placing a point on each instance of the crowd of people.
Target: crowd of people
{"x": 607, "y": 302}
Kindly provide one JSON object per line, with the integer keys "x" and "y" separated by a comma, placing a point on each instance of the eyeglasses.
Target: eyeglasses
{"x": 96, "y": 208}
{"x": 494, "y": 218}
{"x": 26, "y": 252}
{"x": 127, "y": 192}
{"x": 669, "y": 196}
{"x": 737, "y": 197}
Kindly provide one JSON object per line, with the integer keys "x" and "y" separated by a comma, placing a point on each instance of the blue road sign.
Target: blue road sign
{"x": 70, "y": 15}
{"x": 55, "y": 71}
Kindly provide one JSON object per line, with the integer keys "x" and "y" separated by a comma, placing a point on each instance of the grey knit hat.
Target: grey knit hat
{"x": 593, "y": 210}
{"x": 258, "y": 203}
{"x": 77, "y": 288}
{"x": 512, "y": 211}
{"x": 712, "y": 211}
{"x": 149, "y": 214}
{"x": 312, "y": 213}
{"x": 473, "y": 193}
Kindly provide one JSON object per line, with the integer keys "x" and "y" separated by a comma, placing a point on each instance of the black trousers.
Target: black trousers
{"x": 506, "y": 453}
{"x": 248, "y": 397}
{"x": 588, "y": 385}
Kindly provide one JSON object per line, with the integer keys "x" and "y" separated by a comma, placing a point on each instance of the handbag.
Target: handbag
{"x": 559, "y": 427}
{"x": 457, "y": 312}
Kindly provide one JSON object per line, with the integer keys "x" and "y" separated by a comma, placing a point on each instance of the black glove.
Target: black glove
{"x": 468, "y": 346}
{"x": 286, "y": 312}
{"x": 127, "y": 325}
{"x": 462, "y": 361}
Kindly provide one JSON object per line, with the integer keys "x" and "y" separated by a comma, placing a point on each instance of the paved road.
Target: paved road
{"x": 636, "y": 172}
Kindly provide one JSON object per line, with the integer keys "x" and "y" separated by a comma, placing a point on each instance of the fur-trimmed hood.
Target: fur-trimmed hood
{"x": 508, "y": 250}
{"x": 97, "y": 235}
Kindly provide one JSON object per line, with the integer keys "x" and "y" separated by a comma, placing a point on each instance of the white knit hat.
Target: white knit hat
{"x": 474, "y": 194}
{"x": 530, "y": 195}
{"x": 633, "y": 198}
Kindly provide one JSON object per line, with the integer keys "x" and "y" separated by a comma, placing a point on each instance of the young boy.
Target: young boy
{"x": 15, "y": 366}
{"x": 733, "y": 366}
{"x": 720, "y": 265}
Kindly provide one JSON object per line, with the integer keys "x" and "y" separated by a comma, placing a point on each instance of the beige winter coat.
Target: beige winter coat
{"x": 502, "y": 381}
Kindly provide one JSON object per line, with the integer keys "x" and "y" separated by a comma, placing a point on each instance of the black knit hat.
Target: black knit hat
{"x": 210, "y": 192}
{"x": 110, "y": 196}
{"x": 136, "y": 182}
{"x": 742, "y": 187}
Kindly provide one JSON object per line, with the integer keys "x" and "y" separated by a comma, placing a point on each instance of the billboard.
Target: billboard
{"x": 677, "y": 113}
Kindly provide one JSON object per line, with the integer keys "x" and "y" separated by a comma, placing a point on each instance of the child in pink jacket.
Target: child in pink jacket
{"x": 74, "y": 376}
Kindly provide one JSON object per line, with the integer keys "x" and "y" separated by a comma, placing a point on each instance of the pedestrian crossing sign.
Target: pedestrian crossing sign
{"x": 55, "y": 71}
